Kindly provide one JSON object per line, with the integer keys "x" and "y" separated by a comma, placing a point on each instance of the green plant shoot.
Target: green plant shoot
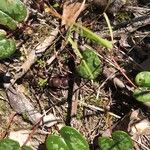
{"x": 93, "y": 36}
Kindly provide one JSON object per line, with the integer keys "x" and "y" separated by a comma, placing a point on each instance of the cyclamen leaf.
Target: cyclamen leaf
{"x": 7, "y": 48}
{"x": 55, "y": 142}
{"x": 8, "y": 144}
{"x": 120, "y": 141}
{"x": 14, "y": 8}
{"x": 142, "y": 94}
{"x": 7, "y": 21}
{"x": 73, "y": 139}
{"x": 106, "y": 143}
{"x": 143, "y": 79}
{"x": 90, "y": 66}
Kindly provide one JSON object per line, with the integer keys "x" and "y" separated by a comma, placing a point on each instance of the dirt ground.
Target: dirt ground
{"x": 42, "y": 74}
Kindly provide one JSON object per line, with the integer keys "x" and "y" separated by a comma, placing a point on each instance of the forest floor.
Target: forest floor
{"x": 43, "y": 77}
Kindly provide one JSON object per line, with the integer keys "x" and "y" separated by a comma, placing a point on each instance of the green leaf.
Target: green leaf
{"x": 94, "y": 37}
{"x": 14, "y": 8}
{"x": 143, "y": 79}
{"x": 74, "y": 139}
{"x": 105, "y": 143}
{"x": 56, "y": 5}
{"x": 7, "y": 48}
{"x": 7, "y": 21}
{"x": 26, "y": 148}
{"x": 8, "y": 144}
{"x": 55, "y": 142}
{"x": 142, "y": 94}
{"x": 120, "y": 141}
{"x": 2, "y": 34}
{"x": 90, "y": 66}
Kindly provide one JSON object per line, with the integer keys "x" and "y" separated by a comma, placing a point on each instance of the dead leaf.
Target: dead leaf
{"x": 21, "y": 104}
{"x": 20, "y": 136}
{"x": 141, "y": 127}
{"x": 123, "y": 124}
{"x": 71, "y": 12}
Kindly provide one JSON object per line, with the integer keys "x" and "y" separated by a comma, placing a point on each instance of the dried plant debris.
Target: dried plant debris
{"x": 109, "y": 6}
{"x": 71, "y": 12}
{"x": 22, "y": 105}
{"x": 59, "y": 66}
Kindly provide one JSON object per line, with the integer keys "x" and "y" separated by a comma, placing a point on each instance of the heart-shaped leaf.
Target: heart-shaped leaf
{"x": 55, "y": 142}
{"x": 7, "y": 48}
{"x": 90, "y": 66}
{"x": 123, "y": 140}
{"x": 143, "y": 79}
{"x": 107, "y": 143}
{"x": 142, "y": 94}
{"x": 7, "y": 21}
{"x": 14, "y": 8}
{"x": 73, "y": 139}
{"x": 8, "y": 144}
{"x": 120, "y": 141}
